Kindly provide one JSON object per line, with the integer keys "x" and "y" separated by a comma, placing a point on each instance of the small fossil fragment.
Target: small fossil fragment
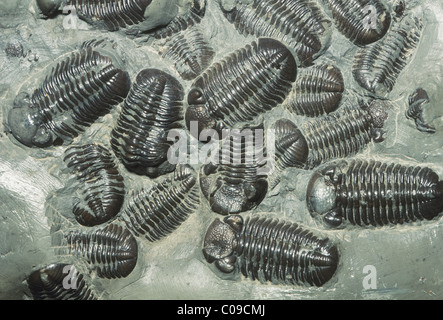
{"x": 417, "y": 102}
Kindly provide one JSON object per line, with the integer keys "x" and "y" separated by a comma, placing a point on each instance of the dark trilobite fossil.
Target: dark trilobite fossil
{"x": 100, "y": 186}
{"x": 156, "y": 212}
{"x": 135, "y": 17}
{"x": 300, "y": 24}
{"x": 418, "y": 100}
{"x": 111, "y": 252}
{"x": 52, "y": 283}
{"x": 234, "y": 180}
{"x": 374, "y": 193}
{"x": 377, "y": 67}
{"x": 318, "y": 90}
{"x": 239, "y": 88}
{"x": 361, "y": 21}
{"x": 80, "y": 89}
{"x": 152, "y": 109}
{"x": 270, "y": 250}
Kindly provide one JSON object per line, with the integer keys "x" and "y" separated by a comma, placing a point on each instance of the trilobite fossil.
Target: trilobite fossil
{"x": 156, "y": 212}
{"x": 318, "y": 90}
{"x": 49, "y": 283}
{"x": 377, "y": 67}
{"x": 234, "y": 181}
{"x": 418, "y": 101}
{"x": 300, "y": 24}
{"x": 361, "y": 21}
{"x": 111, "y": 252}
{"x": 99, "y": 184}
{"x": 373, "y": 193}
{"x": 241, "y": 87}
{"x": 80, "y": 89}
{"x": 270, "y": 250}
{"x": 134, "y": 17}
{"x": 151, "y": 111}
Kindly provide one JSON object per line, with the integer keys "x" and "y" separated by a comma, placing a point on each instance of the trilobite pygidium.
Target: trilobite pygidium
{"x": 241, "y": 87}
{"x": 152, "y": 109}
{"x": 300, "y": 24}
{"x": 48, "y": 283}
{"x": 361, "y": 21}
{"x": 83, "y": 86}
{"x": 134, "y": 17}
{"x": 98, "y": 184}
{"x": 234, "y": 181}
{"x": 156, "y": 212}
{"x": 374, "y": 193}
{"x": 377, "y": 67}
{"x": 270, "y": 250}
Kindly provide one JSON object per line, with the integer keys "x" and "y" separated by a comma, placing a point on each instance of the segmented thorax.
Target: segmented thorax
{"x": 98, "y": 182}
{"x": 298, "y": 23}
{"x": 361, "y": 21}
{"x": 244, "y": 85}
{"x": 377, "y": 67}
{"x": 270, "y": 250}
{"x": 51, "y": 283}
{"x": 365, "y": 193}
{"x": 151, "y": 111}
{"x": 156, "y": 212}
{"x": 110, "y": 252}
{"x": 318, "y": 90}
{"x": 234, "y": 181}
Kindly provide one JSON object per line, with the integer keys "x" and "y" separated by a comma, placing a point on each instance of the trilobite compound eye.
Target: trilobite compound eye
{"x": 321, "y": 195}
{"x": 49, "y": 7}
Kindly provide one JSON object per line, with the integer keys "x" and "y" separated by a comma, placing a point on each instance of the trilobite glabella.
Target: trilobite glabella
{"x": 156, "y": 212}
{"x": 377, "y": 67}
{"x": 361, "y": 21}
{"x": 49, "y": 283}
{"x": 241, "y": 87}
{"x": 152, "y": 109}
{"x": 80, "y": 89}
{"x": 300, "y": 24}
{"x": 98, "y": 182}
{"x": 270, "y": 250}
{"x": 374, "y": 193}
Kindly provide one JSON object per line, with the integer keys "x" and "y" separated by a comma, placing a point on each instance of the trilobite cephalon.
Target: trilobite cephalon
{"x": 270, "y": 250}
{"x": 234, "y": 181}
{"x": 361, "y": 21}
{"x": 317, "y": 91}
{"x": 51, "y": 283}
{"x": 300, "y": 24}
{"x": 151, "y": 111}
{"x": 81, "y": 88}
{"x": 374, "y": 193}
{"x": 99, "y": 184}
{"x": 110, "y": 252}
{"x": 241, "y": 87}
{"x": 377, "y": 67}
{"x": 156, "y": 212}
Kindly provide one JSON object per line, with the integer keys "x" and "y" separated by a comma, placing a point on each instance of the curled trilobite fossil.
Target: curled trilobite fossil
{"x": 80, "y": 89}
{"x": 239, "y": 88}
{"x": 418, "y": 100}
{"x": 318, "y": 90}
{"x": 152, "y": 109}
{"x": 156, "y": 212}
{"x": 234, "y": 181}
{"x": 377, "y": 67}
{"x": 374, "y": 193}
{"x": 98, "y": 182}
{"x": 361, "y": 21}
{"x": 111, "y": 252}
{"x": 59, "y": 281}
{"x": 300, "y": 24}
{"x": 135, "y": 17}
{"x": 270, "y": 250}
